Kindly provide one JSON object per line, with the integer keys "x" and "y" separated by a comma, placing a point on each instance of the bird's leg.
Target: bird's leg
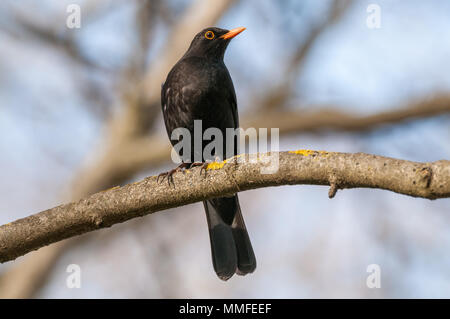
{"x": 182, "y": 167}
{"x": 196, "y": 164}
{"x": 205, "y": 164}
{"x": 170, "y": 173}
{"x": 204, "y": 167}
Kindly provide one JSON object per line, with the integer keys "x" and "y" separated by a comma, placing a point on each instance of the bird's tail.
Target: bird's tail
{"x": 231, "y": 249}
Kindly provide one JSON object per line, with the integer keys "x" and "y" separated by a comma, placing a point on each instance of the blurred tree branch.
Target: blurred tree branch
{"x": 149, "y": 151}
{"x": 24, "y": 278}
{"x": 52, "y": 36}
{"x": 326, "y": 118}
{"x": 142, "y": 105}
{"x": 132, "y": 122}
{"x": 277, "y": 96}
{"x": 116, "y": 205}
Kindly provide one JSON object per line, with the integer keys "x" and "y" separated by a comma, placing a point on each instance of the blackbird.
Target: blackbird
{"x": 199, "y": 87}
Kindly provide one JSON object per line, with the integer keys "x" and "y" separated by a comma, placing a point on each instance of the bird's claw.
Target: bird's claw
{"x": 204, "y": 165}
{"x": 182, "y": 167}
{"x": 164, "y": 175}
{"x": 197, "y": 164}
{"x": 169, "y": 174}
{"x": 204, "y": 168}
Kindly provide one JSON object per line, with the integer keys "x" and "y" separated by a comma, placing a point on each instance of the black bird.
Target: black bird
{"x": 199, "y": 87}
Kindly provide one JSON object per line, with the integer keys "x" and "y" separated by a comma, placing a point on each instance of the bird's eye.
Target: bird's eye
{"x": 209, "y": 35}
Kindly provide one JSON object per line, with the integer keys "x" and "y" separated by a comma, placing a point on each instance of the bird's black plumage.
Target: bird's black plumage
{"x": 199, "y": 87}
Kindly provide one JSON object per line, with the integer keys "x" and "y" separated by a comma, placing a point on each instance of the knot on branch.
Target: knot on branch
{"x": 334, "y": 186}
{"x": 426, "y": 173}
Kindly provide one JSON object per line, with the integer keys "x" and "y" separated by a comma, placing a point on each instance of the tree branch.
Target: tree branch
{"x": 149, "y": 151}
{"x": 276, "y": 97}
{"x": 332, "y": 118}
{"x": 116, "y": 205}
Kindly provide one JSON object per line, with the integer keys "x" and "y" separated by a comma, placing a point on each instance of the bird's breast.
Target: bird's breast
{"x": 197, "y": 89}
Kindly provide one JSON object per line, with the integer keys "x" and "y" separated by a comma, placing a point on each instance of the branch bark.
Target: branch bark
{"x": 116, "y": 205}
{"x": 149, "y": 151}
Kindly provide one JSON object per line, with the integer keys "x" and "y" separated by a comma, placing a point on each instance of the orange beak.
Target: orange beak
{"x": 232, "y": 33}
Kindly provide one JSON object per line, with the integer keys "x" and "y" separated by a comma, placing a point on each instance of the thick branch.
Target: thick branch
{"x": 147, "y": 152}
{"x": 340, "y": 170}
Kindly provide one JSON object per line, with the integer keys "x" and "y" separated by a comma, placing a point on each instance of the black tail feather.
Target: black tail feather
{"x": 246, "y": 256}
{"x": 223, "y": 250}
{"x": 231, "y": 249}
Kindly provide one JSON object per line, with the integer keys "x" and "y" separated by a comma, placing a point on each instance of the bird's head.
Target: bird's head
{"x": 212, "y": 42}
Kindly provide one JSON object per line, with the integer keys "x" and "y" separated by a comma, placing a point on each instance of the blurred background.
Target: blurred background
{"x": 80, "y": 112}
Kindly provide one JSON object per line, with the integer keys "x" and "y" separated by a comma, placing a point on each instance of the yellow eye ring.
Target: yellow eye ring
{"x": 209, "y": 35}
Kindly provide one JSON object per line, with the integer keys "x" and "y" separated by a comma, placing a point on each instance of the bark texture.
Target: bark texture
{"x": 116, "y": 205}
